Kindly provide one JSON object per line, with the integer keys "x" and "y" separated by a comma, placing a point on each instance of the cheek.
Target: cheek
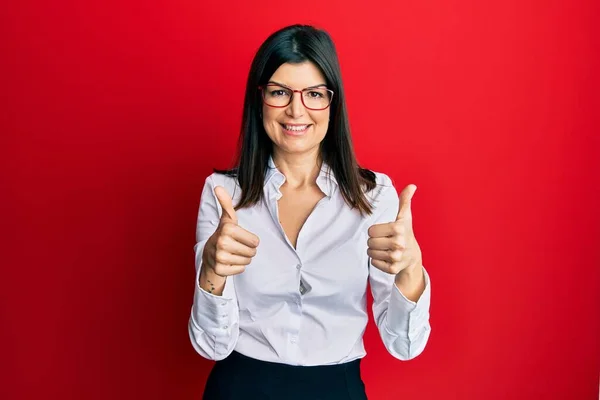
{"x": 320, "y": 117}
{"x": 269, "y": 119}
{"x": 321, "y": 121}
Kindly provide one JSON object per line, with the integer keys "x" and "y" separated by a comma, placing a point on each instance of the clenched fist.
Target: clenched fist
{"x": 229, "y": 250}
{"x": 393, "y": 246}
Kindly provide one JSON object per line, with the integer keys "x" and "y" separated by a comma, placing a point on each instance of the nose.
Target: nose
{"x": 296, "y": 108}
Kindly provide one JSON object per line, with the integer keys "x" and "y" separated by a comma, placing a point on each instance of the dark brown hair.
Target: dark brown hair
{"x": 297, "y": 44}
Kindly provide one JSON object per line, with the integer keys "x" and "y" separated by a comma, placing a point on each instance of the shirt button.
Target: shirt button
{"x": 298, "y": 267}
{"x": 225, "y": 327}
{"x": 293, "y": 339}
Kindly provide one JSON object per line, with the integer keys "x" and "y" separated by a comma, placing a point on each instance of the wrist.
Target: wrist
{"x": 412, "y": 273}
{"x": 411, "y": 282}
{"x": 206, "y": 272}
{"x": 412, "y": 270}
{"x": 209, "y": 280}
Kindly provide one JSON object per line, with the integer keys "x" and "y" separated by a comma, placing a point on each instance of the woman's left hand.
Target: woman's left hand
{"x": 393, "y": 247}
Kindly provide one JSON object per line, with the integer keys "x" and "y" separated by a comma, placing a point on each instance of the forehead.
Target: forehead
{"x": 299, "y": 76}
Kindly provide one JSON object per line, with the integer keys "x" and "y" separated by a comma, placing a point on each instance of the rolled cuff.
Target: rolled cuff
{"x": 406, "y": 317}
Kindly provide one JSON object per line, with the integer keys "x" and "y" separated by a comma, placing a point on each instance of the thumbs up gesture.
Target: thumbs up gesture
{"x": 392, "y": 246}
{"x": 231, "y": 248}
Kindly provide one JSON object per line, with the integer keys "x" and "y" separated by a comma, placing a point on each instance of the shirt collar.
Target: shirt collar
{"x": 326, "y": 179}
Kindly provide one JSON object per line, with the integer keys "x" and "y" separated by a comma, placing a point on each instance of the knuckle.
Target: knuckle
{"x": 399, "y": 244}
{"x": 228, "y": 228}
{"x": 221, "y": 242}
{"x": 396, "y": 255}
{"x": 222, "y": 257}
{"x": 220, "y": 269}
{"x": 398, "y": 229}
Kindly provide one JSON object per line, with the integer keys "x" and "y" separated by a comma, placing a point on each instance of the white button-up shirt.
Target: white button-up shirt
{"x": 305, "y": 305}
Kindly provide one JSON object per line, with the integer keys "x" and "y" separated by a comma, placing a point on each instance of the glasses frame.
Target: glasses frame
{"x": 262, "y": 95}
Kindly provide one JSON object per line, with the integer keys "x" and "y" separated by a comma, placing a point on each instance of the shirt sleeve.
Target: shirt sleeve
{"x": 214, "y": 321}
{"x": 403, "y": 324}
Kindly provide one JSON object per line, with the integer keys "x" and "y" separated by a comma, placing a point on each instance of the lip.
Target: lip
{"x": 295, "y": 133}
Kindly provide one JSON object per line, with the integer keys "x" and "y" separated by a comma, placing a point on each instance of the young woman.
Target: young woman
{"x": 288, "y": 240}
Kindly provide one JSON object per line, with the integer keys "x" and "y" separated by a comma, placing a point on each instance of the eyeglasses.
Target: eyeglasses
{"x": 277, "y": 96}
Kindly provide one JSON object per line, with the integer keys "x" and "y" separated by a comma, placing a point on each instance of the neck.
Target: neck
{"x": 300, "y": 170}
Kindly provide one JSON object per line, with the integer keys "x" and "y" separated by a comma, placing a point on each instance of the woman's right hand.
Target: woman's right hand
{"x": 231, "y": 248}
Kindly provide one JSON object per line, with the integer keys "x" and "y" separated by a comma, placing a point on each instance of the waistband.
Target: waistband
{"x": 249, "y": 362}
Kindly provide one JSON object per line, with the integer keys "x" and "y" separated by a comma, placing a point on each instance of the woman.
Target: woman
{"x": 280, "y": 296}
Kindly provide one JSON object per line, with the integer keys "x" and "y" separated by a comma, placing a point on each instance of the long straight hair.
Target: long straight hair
{"x": 297, "y": 44}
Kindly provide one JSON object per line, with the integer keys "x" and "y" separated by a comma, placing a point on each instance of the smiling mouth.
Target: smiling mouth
{"x": 295, "y": 128}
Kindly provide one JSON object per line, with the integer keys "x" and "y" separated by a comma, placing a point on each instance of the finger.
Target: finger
{"x": 224, "y": 257}
{"x": 384, "y": 230}
{"x": 382, "y": 265}
{"x": 232, "y": 246}
{"x": 380, "y": 243}
{"x": 226, "y": 204}
{"x": 244, "y": 237}
{"x": 381, "y": 255}
{"x": 405, "y": 201}
{"x": 228, "y": 270}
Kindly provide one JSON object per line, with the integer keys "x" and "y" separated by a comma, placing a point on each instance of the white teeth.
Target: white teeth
{"x": 296, "y": 128}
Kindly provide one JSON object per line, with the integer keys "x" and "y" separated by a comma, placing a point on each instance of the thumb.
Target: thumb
{"x": 405, "y": 201}
{"x": 226, "y": 204}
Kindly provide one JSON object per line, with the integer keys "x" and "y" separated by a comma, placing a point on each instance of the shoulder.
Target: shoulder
{"x": 383, "y": 191}
{"x": 229, "y": 182}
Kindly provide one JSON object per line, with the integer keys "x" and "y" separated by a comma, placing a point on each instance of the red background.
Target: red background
{"x": 114, "y": 112}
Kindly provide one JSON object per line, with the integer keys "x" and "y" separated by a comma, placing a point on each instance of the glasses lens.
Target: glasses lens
{"x": 276, "y": 96}
{"x": 317, "y": 99}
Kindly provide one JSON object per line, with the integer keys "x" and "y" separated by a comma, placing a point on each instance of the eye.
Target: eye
{"x": 278, "y": 93}
{"x": 315, "y": 95}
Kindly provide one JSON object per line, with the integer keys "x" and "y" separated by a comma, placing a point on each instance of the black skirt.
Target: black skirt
{"x": 239, "y": 377}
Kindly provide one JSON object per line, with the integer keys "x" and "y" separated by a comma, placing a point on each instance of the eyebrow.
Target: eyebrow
{"x": 287, "y": 87}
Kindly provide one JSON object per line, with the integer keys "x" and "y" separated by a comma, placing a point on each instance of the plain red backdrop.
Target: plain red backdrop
{"x": 114, "y": 112}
